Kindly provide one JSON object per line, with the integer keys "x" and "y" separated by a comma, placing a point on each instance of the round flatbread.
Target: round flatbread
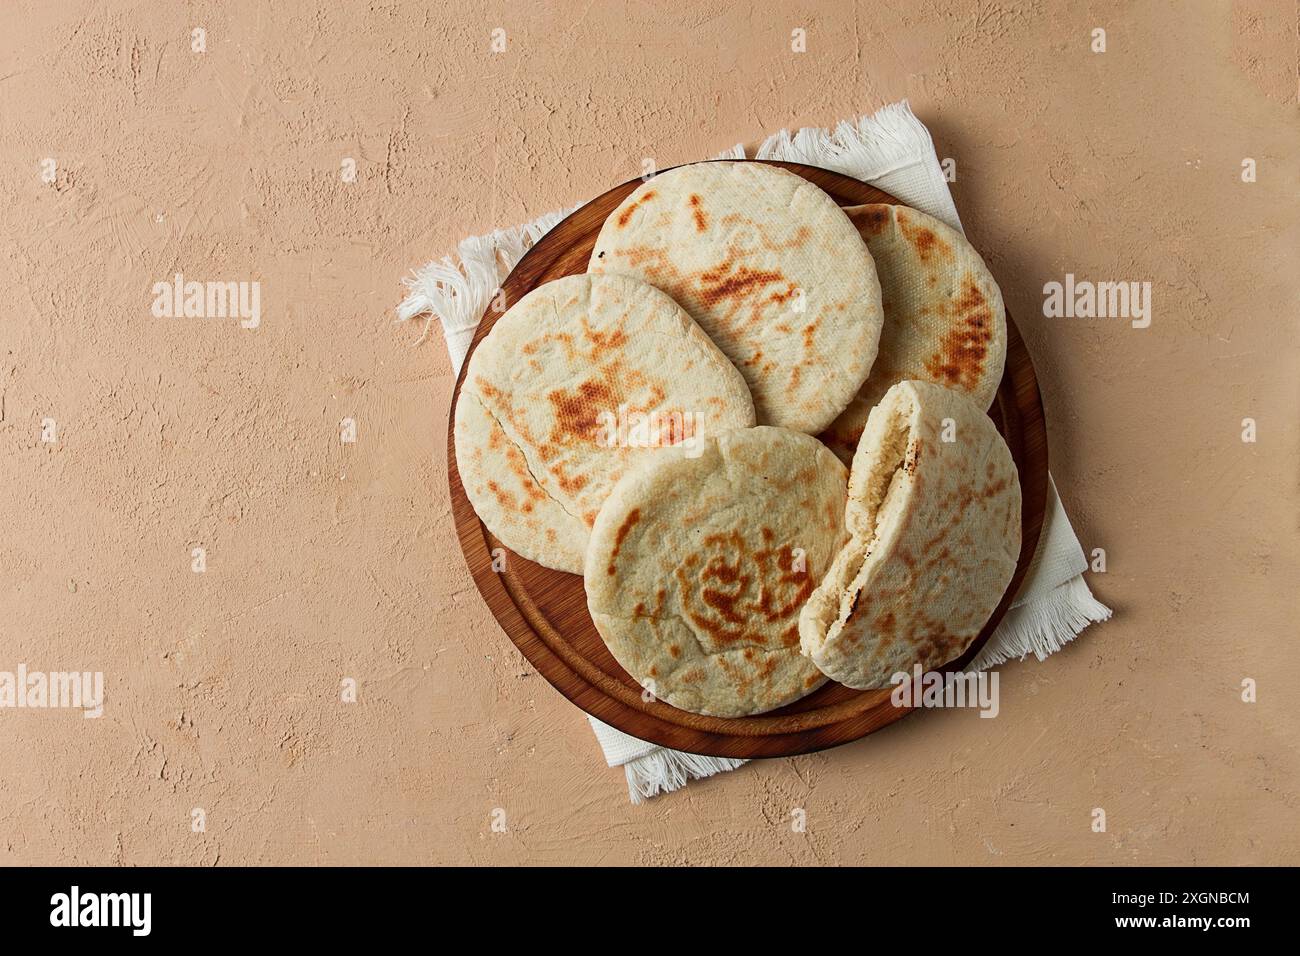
{"x": 934, "y": 539}
{"x": 944, "y": 318}
{"x": 698, "y": 567}
{"x": 770, "y": 268}
{"x": 581, "y": 377}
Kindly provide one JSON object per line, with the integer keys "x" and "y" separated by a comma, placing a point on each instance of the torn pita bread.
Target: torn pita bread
{"x": 935, "y": 537}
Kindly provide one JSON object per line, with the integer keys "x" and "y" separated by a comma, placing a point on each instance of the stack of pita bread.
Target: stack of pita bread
{"x": 676, "y": 423}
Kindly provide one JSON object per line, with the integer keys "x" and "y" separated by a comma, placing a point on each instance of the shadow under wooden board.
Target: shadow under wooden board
{"x": 544, "y": 612}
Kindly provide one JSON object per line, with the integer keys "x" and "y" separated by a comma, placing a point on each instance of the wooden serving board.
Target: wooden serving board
{"x": 545, "y": 612}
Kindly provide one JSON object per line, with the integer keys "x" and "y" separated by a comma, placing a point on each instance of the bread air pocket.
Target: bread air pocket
{"x": 934, "y": 501}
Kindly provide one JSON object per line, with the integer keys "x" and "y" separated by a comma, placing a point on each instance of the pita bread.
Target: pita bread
{"x": 935, "y": 537}
{"x": 944, "y": 318}
{"x": 770, "y": 268}
{"x": 577, "y": 380}
{"x": 698, "y": 567}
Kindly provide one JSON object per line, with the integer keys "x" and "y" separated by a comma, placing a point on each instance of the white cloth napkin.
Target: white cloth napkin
{"x": 893, "y": 151}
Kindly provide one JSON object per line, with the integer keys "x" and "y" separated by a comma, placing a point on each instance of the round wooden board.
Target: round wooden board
{"x": 545, "y": 612}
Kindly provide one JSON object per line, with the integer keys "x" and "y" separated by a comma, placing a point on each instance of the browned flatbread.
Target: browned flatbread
{"x": 770, "y": 268}
{"x": 698, "y": 568}
{"x": 944, "y": 318}
{"x": 579, "y": 379}
{"x": 934, "y": 530}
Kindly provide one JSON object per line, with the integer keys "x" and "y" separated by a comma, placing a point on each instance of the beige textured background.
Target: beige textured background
{"x": 328, "y": 560}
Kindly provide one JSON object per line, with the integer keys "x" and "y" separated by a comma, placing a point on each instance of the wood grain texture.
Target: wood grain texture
{"x": 544, "y": 612}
